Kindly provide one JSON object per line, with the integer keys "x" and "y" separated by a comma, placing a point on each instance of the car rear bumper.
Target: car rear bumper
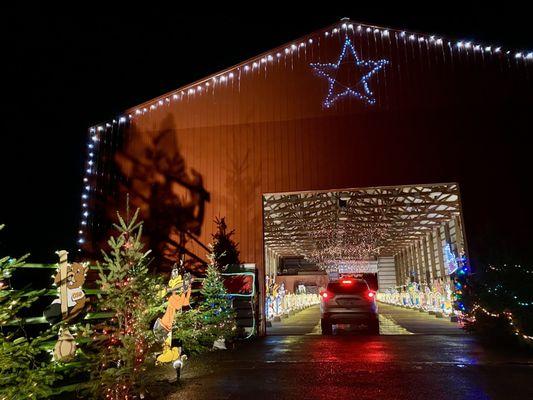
{"x": 347, "y": 317}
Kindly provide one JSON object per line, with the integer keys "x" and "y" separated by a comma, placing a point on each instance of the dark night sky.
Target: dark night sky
{"x": 67, "y": 72}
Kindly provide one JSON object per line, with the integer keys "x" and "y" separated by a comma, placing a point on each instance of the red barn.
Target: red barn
{"x": 347, "y": 131}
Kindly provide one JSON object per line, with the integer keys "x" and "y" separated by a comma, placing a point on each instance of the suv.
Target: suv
{"x": 348, "y": 301}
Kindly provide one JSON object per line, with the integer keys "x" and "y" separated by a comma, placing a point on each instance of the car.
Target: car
{"x": 348, "y": 301}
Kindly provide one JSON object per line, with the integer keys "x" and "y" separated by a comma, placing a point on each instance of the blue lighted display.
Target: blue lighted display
{"x": 354, "y": 86}
{"x": 450, "y": 261}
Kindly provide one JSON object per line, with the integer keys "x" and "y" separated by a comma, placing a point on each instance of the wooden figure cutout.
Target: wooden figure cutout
{"x": 69, "y": 279}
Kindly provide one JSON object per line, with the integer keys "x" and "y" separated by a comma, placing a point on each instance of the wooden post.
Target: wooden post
{"x": 432, "y": 254}
{"x": 459, "y": 234}
{"x": 63, "y": 271}
{"x": 397, "y": 268}
{"x": 411, "y": 262}
{"x": 423, "y": 266}
{"x": 440, "y": 254}
{"x": 403, "y": 266}
{"x": 419, "y": 267}
{"x": 426, "y": 261}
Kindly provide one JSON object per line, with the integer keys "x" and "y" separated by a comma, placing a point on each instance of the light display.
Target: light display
{"x": 460, "y": 282}
{"x": 279, "y": 301}
{"x": 436, "y": 297}
{"x": 340, "y": 79}
{"x": 450, "y": 261}
{"x": 345, "y": 247}
{"x": 357, "y": 266}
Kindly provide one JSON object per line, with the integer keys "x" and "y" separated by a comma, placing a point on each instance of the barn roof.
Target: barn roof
{"x": 295, "y": 47}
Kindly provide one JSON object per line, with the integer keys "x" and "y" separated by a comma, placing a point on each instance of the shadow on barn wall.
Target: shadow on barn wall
{"x": 171, "y": 196}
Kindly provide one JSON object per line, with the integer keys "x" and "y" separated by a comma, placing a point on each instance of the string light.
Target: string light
{"x": 344, "y": 247}
{"x": 509, "y": 317}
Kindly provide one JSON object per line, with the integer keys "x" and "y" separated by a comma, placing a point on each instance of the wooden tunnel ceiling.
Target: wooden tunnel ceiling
{"x": 397, "y": 216}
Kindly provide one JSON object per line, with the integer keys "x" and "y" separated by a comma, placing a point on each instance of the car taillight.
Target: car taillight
{"x": 325, "y": 295}
{"x": 347, "y": 282}
{"x": 370, "y": 295}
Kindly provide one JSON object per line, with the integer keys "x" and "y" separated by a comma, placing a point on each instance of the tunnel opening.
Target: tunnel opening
{"x": 397, "y": 246}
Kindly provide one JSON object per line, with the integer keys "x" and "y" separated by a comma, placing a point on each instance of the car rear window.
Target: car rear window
{"x": 357, "y": 287}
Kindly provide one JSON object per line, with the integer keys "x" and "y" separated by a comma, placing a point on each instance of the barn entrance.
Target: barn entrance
{"x": 402, "y": 242}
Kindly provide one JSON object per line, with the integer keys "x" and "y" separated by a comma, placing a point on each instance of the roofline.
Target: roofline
{"x": 424, "y": 185}
{"x": 337, "y": 25}
{"x": 232, "y": 68}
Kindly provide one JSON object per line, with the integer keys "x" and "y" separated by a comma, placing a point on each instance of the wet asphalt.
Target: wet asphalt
{"x": 416, "y": 356}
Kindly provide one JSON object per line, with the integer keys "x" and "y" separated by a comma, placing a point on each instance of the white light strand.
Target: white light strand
{"x": 508, "y": 316}
{"x": 226, "y": 77}
{"x": 293, "y": 48}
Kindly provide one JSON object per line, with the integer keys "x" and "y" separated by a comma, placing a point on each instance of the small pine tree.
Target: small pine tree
{"x": 26, "y": 370}
{"x": 129, "y": 294}
{"x": 189, "y": 333}
{"x": 217, "y": 315}
{"x": 223, "y": 247}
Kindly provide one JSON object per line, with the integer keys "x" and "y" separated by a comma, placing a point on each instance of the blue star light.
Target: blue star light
{"x": 342, "y": 81}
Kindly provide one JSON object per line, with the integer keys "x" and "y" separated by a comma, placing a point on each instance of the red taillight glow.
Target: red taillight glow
{"x": 324, "y": 295}
{"x": 370, "y": 295}
{"x": 347, "y": 282}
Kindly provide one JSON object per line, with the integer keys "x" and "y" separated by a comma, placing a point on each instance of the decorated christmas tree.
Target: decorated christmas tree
{"x": 26, "y": 370}
{"x": 224, "y": 249}
{"x": 129, "y": 294}
{"x": 217, "y": 315}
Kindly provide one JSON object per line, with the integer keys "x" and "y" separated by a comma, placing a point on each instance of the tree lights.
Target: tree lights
{"x": 507, "y": 315}
{"x": 123, "y": 343}
{"x": 502, "y": 294}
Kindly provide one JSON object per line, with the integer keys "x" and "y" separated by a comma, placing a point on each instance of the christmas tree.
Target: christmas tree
{"x": 26, "y": 370}
{"x": 217, "y": 315}
{"x": 129, "y": 293}
{"x": 223, "y": 247}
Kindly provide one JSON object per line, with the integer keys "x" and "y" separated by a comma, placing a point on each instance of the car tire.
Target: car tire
{"x": 326, "y": 326}
{"x": 373, "y": 327}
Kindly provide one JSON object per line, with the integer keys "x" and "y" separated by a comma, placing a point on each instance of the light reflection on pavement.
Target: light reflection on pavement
{"x": 299, "y": 363}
